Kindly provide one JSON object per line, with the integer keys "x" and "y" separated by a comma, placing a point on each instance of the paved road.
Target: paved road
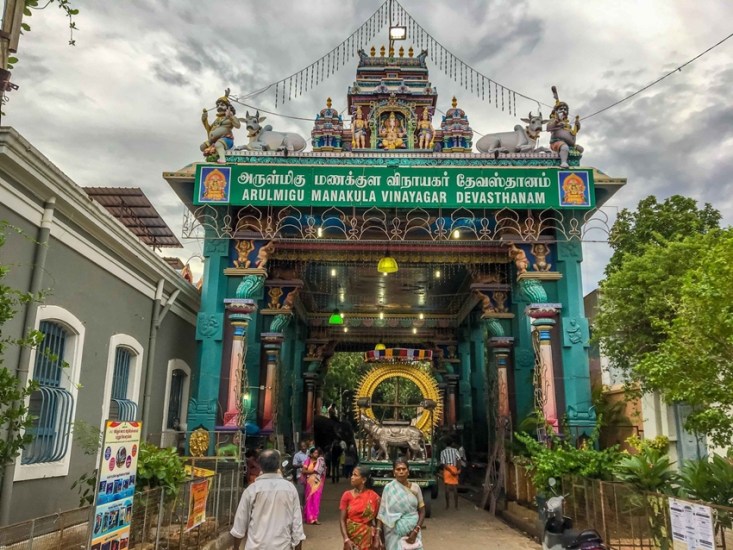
{"x": 465, "y": 529}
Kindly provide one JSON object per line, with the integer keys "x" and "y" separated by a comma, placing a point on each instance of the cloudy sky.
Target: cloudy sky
{"x": 124, "y": 104}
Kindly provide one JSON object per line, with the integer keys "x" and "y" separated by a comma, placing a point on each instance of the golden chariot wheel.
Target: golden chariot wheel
{"x": 427, "y": 385}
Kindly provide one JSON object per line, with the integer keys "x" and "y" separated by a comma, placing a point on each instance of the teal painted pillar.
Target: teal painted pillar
{"x": 458, "y": 386}
{"x": 251, "y": 287}
{"x": 543, "y": 320}
{"x": 523, "y": 395}
{"x": 202, "y": 406}
{"x": 273, "y": 342}
{"x": 477, "y": 385}
{"x": 310, "y": 380}
{"x": 581, "y": 416}
{"x": 240, "y": 314}
{"x": 298, "y": 387}
{"x": 468, "y": 365}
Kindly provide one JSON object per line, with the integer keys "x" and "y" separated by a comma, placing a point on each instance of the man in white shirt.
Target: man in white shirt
{"x": 298, "y": 460}
{"x": 269, "y": 514}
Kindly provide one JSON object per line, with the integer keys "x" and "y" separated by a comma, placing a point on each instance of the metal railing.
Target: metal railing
{"x": 629, "y": 519}
{"x": 158, "y": 520}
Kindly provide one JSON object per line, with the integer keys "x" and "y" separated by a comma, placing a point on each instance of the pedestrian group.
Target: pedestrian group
{"x": 272, "y": 510}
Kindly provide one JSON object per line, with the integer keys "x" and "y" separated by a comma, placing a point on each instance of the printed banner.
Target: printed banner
{"x": 115, "y": 486}
{"x": 197, "y": 503}
{"x": 403, "y": 187}
{"x": 692, "y": 525}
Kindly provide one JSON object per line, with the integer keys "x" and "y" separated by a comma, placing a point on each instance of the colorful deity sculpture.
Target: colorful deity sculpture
{"x": 392, "y": 133}
{"x": 562, "y": 135}
{"x": 359, "y": 130}
{"x": 425, "y": 131}
{"x": 219, "y": 132}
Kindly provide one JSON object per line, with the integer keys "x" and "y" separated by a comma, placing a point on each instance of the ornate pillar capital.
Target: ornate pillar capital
{"x": 542, "y": 311}
{"x": 251, "y": 286}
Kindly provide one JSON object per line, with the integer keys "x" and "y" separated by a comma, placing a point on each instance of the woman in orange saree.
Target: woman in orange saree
{"x": 359, "y": 507}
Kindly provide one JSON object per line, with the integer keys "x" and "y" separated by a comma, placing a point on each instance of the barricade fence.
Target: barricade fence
{"x": 159, "y": 520}
{"x": 629, "y": 519}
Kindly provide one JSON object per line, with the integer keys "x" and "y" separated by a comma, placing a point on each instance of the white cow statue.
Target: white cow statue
{"x": 522, "y": 140}
{"x": 263, "y": 138}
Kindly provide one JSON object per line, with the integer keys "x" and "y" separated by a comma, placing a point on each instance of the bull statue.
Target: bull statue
{"x": 521, "y": 140}
{"x": 395, "y": 436}
{"x": 262, "y": 138}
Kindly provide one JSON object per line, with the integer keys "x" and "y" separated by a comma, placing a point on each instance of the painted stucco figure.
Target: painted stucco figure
{"x": 359, "y": 132}
{"x": 425, "y": 132}
{"x": 522, "y": 140}
{"x": 243, "y": 248}
{"x": 263, "y": 138}
{"x": 540, "y": 252}
{"x": 392, "y": 133}
{"x": 486, "y": 305}
{"x": 562, "y": 134}
{"x": 263, "y": 254}
{"x": 220, "y": 132}
{"x": 520, "y": 258}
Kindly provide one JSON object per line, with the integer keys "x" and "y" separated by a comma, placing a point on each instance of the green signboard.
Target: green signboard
{"x": 381, "y": 186}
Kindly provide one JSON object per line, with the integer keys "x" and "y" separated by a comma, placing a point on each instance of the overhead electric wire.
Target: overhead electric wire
{"x": 416, "y": 26}
{"x": 657, "y": 81}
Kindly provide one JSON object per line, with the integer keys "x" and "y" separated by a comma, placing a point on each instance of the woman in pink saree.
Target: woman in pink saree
{"x": 314, "y": 471}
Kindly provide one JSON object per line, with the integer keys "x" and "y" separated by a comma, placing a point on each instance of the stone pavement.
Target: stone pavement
{"x": 468, "y": 528}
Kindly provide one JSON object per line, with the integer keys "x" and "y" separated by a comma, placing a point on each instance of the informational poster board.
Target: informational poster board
{"x": 115, "y": 486}
{"x": 692, "y": 525}
{"x": 197, "y": 503}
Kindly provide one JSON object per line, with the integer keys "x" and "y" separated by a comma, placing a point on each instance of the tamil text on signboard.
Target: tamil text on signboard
{"x": 381, "y": 186}
{"x": 115, "y": 486}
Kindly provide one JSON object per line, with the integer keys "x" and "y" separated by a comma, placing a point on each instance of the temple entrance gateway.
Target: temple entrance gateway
{"x": 392, "y": 234}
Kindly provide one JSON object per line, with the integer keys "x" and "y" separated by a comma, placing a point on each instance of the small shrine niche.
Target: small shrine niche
{"x": 327, "y": 134}
{"x": 391, "y": 105}
{"x": 457, "y": 134}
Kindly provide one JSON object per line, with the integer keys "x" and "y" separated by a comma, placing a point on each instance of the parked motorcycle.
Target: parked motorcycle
{"x": 286, "y": 467}
{"x": 558, "y": 532}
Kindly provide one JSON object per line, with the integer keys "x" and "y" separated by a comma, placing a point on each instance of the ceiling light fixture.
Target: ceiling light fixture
{"x": 381, "y": 314}
{"x": 319, "y": 232}
{"x": 380, "y": 347}
{"x": 336, "y": 318}
{"x": 437, "y": 273}
{"x": 397, "y": 33}
{"x": 387, "y": 264}
{"x": 414, "y": 330}
{"x": 333, "y": 272}
{"x": 421, "y": 316}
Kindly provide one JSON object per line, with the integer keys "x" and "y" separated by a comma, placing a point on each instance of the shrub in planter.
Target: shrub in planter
{"x": 650, "y": 472}
{"x": 561, "y": 458}
{"x": 159, "y": 468}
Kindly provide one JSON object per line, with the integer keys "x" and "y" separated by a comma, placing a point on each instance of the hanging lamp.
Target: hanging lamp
{"x": 380, "y": 347}
{"x": 336, "y": 318}
{"x": 387, "y": 264}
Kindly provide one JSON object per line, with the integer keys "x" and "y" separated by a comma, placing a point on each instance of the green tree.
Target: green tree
{"x": 14, "y": 415}
{"x": 345, "y": 370}
{"x": 694, "y": 363}
{"x": 657, "y": 223}
{"x": 638, "y": 301}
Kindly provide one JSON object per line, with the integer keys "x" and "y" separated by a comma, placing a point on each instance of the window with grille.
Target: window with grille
{"x": 175, "y": 400}
{"x": 121, "y": 407}
{"x": 51, "y": 405}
